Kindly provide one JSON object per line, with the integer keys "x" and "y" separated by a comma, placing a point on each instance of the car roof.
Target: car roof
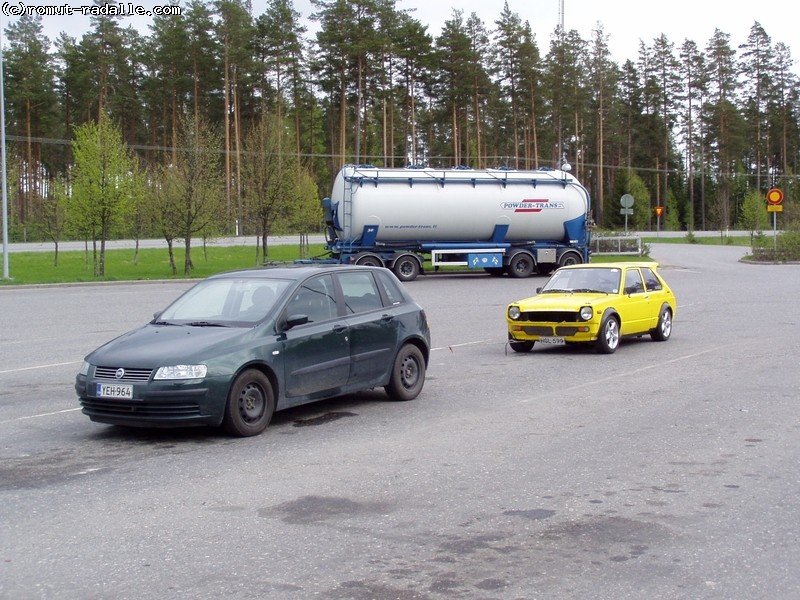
{"x": 614, "y": 265}
{"x": 290, "y": 271}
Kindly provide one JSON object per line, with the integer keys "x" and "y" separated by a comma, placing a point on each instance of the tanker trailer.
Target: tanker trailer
{"x": 498, "y": 220}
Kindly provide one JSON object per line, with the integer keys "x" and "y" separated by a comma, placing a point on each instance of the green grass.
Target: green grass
{"x": 31, "y": 268}
{"x": 26, "y": 268}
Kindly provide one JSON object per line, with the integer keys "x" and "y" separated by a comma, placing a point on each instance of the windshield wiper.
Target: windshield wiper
{"x": 555, "y": 291}
{"x": 588, "y": 291}
{"x": 161, "y": 323}
{"x": 205, "y": 324}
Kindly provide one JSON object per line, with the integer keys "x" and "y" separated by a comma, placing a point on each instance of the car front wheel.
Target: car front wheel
{"x": 664, "y": 328}
{"x": 608, "y": 339}
{"x": 250, "y": 404}
{"x": 408, "y": 374}
{"x": 521, "y": 346}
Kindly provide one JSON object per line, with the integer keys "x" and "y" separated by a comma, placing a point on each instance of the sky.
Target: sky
{"x": 625, "y": 22}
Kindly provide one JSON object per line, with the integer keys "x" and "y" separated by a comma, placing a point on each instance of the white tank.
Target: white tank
{"x": 457, "y": 205}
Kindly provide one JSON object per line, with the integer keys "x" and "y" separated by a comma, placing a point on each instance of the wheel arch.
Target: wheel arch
{"x": 266, "y": 369}
{"x": 421, "y": 345}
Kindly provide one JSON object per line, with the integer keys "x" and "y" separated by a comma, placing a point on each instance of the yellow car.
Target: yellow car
{"x": 594, "y": 303}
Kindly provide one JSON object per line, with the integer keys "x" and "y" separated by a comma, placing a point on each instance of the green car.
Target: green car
{"x": 594, "y": 304}
{"x": 238, "y": 346}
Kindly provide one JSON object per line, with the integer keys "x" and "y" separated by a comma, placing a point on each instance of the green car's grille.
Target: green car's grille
{"x": 128, "y": 375}
{"x": 137, "y": 409}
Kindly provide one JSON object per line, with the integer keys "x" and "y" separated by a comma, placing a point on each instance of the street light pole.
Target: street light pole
{"x": 3, "y": 176}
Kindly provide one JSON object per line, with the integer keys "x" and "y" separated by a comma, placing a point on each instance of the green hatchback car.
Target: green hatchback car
{"x": 238, "y": 346}
{"x": 594, "y": 304}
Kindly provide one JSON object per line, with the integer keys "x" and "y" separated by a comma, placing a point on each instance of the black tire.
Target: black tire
{"x": 408, "y": 374}
{"x": 608, "y": 337}
{"x": 406, "y": 268}
{"x": 369, "y": 260}
{"x": 250, "y": 405}
{"x": 664, "y": 328}
{"x": 521, "y": 346}
{"x": 569, "y": 258}
{"x": 521, "y": 265}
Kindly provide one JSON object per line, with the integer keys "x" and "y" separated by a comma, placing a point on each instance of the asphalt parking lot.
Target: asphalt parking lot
{"x": 665, "y": 470}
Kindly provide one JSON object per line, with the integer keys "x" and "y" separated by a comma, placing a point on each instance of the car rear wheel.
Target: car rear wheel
{"x": 664, "y": 328}
{"x": 521, "y": 346}
{"x": 608, "y": 339}
{"x": 408, "y": 374}
{"x": 250, "y": 404}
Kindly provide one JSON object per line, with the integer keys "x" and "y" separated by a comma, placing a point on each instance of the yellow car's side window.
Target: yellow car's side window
{"x": 633, "y": 282}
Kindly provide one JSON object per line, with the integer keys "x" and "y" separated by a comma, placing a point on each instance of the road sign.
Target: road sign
{"x": 626, "y": 201}
{"x": 659, "y": 211}
{"x": 774, "y": 208}
{"x": 775, "y": 197}
{"x": 626, "y": 211}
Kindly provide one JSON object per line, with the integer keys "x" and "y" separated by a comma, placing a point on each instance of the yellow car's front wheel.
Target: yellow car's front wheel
{"x": 608, "y": 338}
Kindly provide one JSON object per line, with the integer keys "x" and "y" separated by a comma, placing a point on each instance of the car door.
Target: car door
{"x": 316, "y": 354}
{"x": 655, "y": 296}
{"x": 373, "y": 328}
{"x": 634, "y": 306}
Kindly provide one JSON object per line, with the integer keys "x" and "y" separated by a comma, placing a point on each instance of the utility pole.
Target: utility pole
{"x": 561, "y": 14}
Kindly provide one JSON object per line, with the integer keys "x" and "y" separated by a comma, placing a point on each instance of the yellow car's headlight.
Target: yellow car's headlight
{"x": 586, "y": 313}
{"x": 513, "y": 312}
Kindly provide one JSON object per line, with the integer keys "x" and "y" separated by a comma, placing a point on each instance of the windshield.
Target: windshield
{"x": 586, "y": 280}
{"x": 225, "y": 302}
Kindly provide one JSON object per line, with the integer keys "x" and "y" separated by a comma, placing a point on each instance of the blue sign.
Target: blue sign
{"x": 485, "y": 260}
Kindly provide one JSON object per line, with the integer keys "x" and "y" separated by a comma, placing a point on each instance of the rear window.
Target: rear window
{"x": 360, "y": 292}
{"x": 651, "y": 281}
{"x": 391, "y": 288}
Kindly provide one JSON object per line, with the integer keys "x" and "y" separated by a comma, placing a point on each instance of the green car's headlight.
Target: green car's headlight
{"x": 513, "y": 312}
{"x": 181, "y": 372}
{"x": 586, "y": 313}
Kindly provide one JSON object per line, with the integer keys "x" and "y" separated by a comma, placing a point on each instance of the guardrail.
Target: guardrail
{"x": 622, "y": 244}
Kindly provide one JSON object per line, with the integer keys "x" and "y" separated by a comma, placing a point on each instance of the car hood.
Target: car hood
{"x": 563, "y": 301}
{"x": 154, "y": 345}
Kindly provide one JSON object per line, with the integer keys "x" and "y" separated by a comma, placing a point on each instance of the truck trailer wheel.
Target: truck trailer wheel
{"x": 369, "y": 260}
{"x": 569, "y": 258}
{"x": 521, "y": 265}
{"x": 406, "y": 267}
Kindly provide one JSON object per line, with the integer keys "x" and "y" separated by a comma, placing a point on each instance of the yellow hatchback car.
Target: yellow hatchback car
{"x": 594, "y": 303}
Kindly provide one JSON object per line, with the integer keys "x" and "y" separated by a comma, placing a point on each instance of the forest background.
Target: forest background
{"x": 222, "y": 122}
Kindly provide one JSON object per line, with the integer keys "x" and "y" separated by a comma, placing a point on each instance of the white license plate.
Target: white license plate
{"x": 110, "y": 390}
{"x": 552, "y": 341}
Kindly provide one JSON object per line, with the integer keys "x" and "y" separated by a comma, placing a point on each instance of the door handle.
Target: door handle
{"x": 339, "y": 328}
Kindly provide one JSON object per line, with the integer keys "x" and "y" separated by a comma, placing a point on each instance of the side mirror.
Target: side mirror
{"x": 295, "y": 320}
{"x": 538, "y": 290}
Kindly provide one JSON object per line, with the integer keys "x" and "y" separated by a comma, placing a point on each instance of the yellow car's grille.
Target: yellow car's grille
{"x": 550, "y": 316}
{"x": 538, "y": 330}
